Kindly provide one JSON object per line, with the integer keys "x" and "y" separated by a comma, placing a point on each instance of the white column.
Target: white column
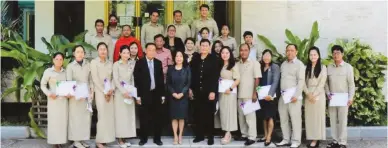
{"x": 44, "y": 23}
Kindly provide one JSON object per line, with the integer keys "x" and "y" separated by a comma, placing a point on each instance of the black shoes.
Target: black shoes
{"x": 333, "y": 145}
{"x": 198, "y": 139}
{"x": 158, "y": 142}
{"x": 342, "y": 146}
{"x": 210, "y": 141}
{"x": 249, "y": 142}
{"x": 142, "y": 142}
{"x": 241, "y": 138}
{"x": 267, "y": 143}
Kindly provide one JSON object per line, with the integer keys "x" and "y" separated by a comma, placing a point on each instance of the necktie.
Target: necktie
{"x": 151, "y": 68}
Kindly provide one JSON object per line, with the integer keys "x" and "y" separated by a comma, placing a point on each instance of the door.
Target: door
{"x": 69, "y": 18}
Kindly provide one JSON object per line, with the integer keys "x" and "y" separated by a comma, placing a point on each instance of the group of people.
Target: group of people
{"x": 183, "y": 69}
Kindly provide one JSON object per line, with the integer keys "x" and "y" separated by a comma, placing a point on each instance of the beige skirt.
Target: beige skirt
{"x": 228, "y": 111}
{"x": 106, "y": 122}
{"x": 79, "y": 120}
{"x": 125, "y": 117}
{"x": 57, "y": 120}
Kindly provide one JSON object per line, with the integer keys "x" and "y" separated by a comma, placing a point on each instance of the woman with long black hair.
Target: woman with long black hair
{"x": 228, "y": 99}
{"x": 315, "y": 101}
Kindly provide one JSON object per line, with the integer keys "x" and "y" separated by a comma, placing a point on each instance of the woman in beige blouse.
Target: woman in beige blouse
{"x": 228, "y": 99}
{"x": 79, "y": 116}
{"x": 101, "y": 70}
{"x": 315, "y": 102}
{"x": 57, "y": 106}
{"x": 125, "y": 117}
{"x": 228, "y": 40}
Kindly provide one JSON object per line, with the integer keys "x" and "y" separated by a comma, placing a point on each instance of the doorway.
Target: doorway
{"x": 69, "y": 18}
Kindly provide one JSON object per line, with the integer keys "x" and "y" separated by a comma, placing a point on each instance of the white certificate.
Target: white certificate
{"x": 225, "y": 84}
{"x": 249, "y": 107}
{"x": 107, "y": 86}
{"x": 65, "y": 88}
{"x": 263, "y": 91}
{"x": 339, "y": 99}
{"x": 287, "y": 94}
{"x": 130, "y": 88}
{"x": 81, "y": 91}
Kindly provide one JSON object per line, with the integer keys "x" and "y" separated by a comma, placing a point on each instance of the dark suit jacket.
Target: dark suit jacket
{"x": 143, "y": 81}
{"x": 178, "y": 44}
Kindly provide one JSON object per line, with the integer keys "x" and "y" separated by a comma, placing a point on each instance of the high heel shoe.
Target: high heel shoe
{"x": 226, "y": 140}
{"x": 180, "y": 140}
{"x": 267, "y": 143}
{"x": 175, "y": 141}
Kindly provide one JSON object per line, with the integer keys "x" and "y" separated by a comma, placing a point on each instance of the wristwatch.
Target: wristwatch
{"x": 231, "y": 89}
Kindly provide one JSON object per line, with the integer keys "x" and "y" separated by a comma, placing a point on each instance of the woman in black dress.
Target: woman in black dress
{"x": 205, "y": 75}
{"x": 172, "y": 42}
{"x": 270, "y": 76}
{"x": 178, "y": 84}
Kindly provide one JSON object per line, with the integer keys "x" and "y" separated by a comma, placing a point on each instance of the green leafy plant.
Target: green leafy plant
{"x": 32, "y": 63}
{"x": 369, "y": 106}
{"x": 303, "y": 45}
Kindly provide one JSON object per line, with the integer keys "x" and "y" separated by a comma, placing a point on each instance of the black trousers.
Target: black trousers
{"x": 204, "y": 110}
{"x": 150, "y": 118}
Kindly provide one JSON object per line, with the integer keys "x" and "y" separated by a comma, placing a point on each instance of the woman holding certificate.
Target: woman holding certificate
{"x": 79, "y": 117}
{"x": 124, "y": 103}
{"x": 315, "y": 101}
{"x": 101, "y": 69}
{"x": 57, "y": 106}
{"x": 228, "y": 97}
{"x": 270, "y": 78}
{"x": 178, "y": 84}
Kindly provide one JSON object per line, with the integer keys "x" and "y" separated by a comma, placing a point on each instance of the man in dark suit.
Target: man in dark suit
{"x": 148, "y": 75}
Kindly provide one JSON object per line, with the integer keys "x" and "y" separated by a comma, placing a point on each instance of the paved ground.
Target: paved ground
{"x": 40, "y": 143}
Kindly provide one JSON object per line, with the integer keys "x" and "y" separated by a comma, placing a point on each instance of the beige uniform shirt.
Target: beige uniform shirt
{"x": 340, "y": 79}
{"x": 93, "y": 40}
{"x": 114, "y": 33}
{"x": 79, "y": 73}
{"x": 123, "y": 74}
{"x": 148, "y": 32}
{"x": 51, "y": 77}
{"x": 199, "y": 24}
{"x": 231, "y": 42}
{"x": 101, "y": 72}
{"x": 249, "y": 71}
{"x": 293, "y": 75}
{"x": 182, "y": 31}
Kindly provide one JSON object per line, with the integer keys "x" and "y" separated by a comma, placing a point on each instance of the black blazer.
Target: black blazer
{"x": 143, "y": 80}
{"x": 178, "y": 44}
{"x": 210, "y": 74}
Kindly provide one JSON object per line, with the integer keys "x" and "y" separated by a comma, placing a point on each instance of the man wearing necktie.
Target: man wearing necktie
{"x": 149, "y": 81}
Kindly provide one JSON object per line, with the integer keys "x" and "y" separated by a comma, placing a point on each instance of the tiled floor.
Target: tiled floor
{"x": 187, "y": 143}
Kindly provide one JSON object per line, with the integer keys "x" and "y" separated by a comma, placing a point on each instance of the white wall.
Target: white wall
{"x": 347, "y": 19}
{"x": 44, "y": 23}
{"x": 364, "y": 20}
{"x": 93, "y": 10}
